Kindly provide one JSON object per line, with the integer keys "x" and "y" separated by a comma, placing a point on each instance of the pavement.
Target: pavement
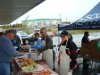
{"x": 94, "y": 71}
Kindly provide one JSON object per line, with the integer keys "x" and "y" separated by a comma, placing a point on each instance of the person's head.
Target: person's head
{"x": 86, "y": 34}
{"x": 11, "y": 34}
{"x": 64, "y": 35}
{"x": 36, "y": 35}
{"x": 43, "y": 32}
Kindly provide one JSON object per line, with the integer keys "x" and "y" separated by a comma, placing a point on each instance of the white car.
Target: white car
{"x": 22, "y": 35}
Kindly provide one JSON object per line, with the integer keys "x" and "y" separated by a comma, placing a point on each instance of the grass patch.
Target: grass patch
{"x": 81, "y": 31}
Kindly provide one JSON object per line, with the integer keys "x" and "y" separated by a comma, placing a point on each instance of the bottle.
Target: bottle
{"x": 29, "y": 53}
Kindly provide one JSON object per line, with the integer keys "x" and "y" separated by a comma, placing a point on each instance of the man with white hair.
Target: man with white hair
{"x": 46, "y": 40}
{"x": 47, "y": 48}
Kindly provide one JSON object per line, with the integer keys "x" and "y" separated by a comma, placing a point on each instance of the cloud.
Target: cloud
{"x": 66, "y": 9}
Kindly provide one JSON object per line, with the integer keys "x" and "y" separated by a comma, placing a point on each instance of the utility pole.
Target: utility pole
{"x": 25, "y": 21}
{"x": 60, "y": 15}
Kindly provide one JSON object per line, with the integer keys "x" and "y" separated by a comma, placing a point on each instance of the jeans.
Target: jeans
{"x": 5, "y": 69}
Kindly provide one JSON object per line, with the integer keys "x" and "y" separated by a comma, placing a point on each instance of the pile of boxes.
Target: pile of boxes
{"x": 90, "y": 50}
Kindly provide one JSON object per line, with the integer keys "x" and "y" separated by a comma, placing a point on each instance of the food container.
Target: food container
{"x": 33, "y": 56}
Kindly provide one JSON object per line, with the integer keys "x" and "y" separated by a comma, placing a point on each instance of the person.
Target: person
{"x": 85, "y": 40}
{"x": 70, "y": 36}
{"x": 47, "y": 42}
{"x": 37, "y": 41}
{"x": 47, "y": 48}
{"x": 6, "y": 52}
{"x": 71, "y": 48}
{"x": 16, "y": 43}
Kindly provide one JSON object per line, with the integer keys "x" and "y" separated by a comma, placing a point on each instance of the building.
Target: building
{"x": 38, "y": 23}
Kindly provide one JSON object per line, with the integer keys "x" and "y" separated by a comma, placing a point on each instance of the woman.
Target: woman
{"x": 71, "y": 49}
{"x": 37, "y": 42}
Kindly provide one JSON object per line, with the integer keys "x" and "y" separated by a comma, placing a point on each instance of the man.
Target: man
{"x": 47, "y": 42}
{"x": 85, "y": 40}
{"x": 6, "y": 52}
{"x": 71, "y": 48}
{"x": 47, "y": 48}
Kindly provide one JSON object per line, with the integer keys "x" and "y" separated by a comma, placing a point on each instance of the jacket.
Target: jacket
{"x": 37, "y": 44}
{"x": 48, "y": 44}
{"x": 6, "y": 49}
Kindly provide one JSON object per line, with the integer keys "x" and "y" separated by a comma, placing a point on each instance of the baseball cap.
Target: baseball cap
{"x": 64, "y": 32}
{"x": 11, "y": 31}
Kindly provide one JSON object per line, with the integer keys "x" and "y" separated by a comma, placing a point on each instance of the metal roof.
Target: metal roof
{"x": 12, "y": 9}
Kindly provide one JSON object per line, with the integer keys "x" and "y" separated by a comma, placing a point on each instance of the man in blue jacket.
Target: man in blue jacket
{"x": 6, "y": 52}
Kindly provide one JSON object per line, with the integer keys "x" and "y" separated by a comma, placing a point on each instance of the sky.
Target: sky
{"x": 67, "y": 10}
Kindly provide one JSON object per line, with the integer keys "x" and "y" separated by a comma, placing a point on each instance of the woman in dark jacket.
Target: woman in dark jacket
{"x": 71, "y": 48}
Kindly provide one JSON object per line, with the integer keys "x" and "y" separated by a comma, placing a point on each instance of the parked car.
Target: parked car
{"x": 49, "y": 34}
{"x": 22, "y": 34}
{"x": 23, "y": 37}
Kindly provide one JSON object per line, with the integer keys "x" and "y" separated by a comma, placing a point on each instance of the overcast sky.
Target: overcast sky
{"x": 70, "y": 10}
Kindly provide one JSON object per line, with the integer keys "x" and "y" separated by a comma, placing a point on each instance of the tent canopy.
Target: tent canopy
{"x": 92, "y": 15}
{"x": 90, "y": 21}
{"x": 12, "y": 9}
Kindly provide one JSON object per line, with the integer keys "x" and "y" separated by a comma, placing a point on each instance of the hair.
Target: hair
{"x": 86, "y": 33}
{"x": 43, "y": 28}
{"x": 70, "y": 37}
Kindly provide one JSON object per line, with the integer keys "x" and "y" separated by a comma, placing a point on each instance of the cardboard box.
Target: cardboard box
{"x": 95, "y": 55}
{"x": 85, "y": 52}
